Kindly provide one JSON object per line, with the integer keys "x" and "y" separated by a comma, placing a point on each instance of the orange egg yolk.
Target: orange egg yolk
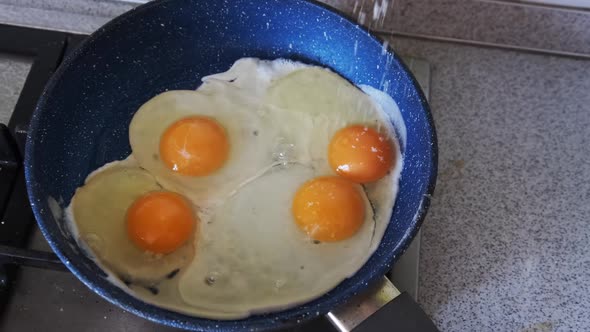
{"x": 194, "y": 146}
{"x": 160, "y": 222}
{"x": 329, "y": 208}
{"x": 360, "y": 154}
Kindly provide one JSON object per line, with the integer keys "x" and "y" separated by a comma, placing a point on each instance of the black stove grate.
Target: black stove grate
{"x": 47, "y": 48}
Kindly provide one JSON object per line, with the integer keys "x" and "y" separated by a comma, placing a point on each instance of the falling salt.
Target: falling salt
{"x": 212, "y": 277}
{"x": 380, "y": 9}
{"x": 210, "y": 280}
{"x": 362, "y": 17}
{"x": 283, "y": 151}
{"x": 280, "y": 283}
{"x": 384, "y": 47}
{"x": 386, "y": 86}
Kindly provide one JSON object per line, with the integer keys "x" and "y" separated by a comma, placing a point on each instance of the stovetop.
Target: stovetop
{"x": 47, "y": 297}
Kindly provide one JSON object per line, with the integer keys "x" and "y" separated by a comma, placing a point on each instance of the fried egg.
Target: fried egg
{"x": 100, "y": 209}
{"x": 291, "y": 172}
{"x": 164, "y": 131}
{"x": 321, "y": 103}
{"x": 231, "y": 101}
{"x": 254, "y": 258}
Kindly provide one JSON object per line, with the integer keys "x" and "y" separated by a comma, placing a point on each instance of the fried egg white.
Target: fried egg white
{"x": 250, "y": 147}
{"x": 99, "y": 208}
{"x": 233, "y": 99}
{"x": 319, "y": 103}
{"x": 251, "y": 257}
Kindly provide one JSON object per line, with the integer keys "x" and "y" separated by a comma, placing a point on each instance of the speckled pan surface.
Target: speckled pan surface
{"x": 82, "y": 119}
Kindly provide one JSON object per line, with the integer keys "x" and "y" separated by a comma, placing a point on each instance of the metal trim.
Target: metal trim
{"x": 348, "y": 316}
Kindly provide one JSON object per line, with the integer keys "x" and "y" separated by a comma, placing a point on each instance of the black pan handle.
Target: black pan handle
{"x": 29, "y": 257}
{"x": 400, "y": 314}
{"x": 9, "y": 165}
{"x": 381, "y": 308}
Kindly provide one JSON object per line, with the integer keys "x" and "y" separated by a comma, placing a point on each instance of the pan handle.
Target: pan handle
{"x": 29, "y": 257}
{"x": 382, "y": 307}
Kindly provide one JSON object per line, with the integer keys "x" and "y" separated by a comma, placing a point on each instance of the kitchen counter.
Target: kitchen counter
{"x": 505, "y": 244}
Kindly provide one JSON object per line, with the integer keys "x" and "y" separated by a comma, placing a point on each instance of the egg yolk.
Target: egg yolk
{"x": 329, "y": 208}
{"x": 359, "y": 153}
{"x": 160, "y": 222}
{"x": 194, "y": 146}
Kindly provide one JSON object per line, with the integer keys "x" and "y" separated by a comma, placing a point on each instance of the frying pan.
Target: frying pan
{"x": 81, "y": 122}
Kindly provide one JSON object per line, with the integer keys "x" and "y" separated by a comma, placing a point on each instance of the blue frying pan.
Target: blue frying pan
{"x": 81, "y": 121}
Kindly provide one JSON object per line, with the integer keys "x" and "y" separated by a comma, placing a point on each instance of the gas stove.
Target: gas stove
{"x": 37, "y": 293}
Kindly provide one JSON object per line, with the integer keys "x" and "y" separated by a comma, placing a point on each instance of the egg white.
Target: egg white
{"x": 251, "y": 251}
{"x": 99, "y": 208}
{"x": 314, "y": 103}
{"x": 249, "y": 137}
{"x": 250, "y": 256}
